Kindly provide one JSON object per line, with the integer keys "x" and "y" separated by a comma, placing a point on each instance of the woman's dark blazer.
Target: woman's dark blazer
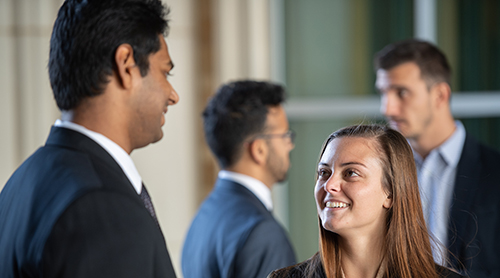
{"x": 299, "y": 271}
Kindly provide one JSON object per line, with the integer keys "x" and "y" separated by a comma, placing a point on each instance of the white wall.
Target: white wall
{"x": 27, "y": 108}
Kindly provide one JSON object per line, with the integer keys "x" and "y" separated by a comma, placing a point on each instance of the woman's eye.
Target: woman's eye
{"x": 322, "y": 173}
{"x": 351, "y": 173}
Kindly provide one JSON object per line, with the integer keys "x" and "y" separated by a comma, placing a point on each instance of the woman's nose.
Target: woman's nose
{"x": 333, "y": 185}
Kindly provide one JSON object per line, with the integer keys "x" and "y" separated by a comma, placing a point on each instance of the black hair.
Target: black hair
{"x": 237, "y": 112}
{"x": 432, "y": 62}
{"x": 85, "y": 37}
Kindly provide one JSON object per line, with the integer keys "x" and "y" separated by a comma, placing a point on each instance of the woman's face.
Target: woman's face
{"x": 349, "y": 194}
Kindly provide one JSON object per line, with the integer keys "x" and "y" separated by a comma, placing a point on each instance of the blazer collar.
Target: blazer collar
{"x": 239, "y": 189}
{"x": 70, "y": 139}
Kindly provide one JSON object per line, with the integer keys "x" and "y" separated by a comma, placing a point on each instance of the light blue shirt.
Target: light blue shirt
{"x": 436, "y": 179}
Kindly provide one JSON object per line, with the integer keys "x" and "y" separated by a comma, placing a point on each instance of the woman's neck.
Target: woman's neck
{"x": 361, "y": 256}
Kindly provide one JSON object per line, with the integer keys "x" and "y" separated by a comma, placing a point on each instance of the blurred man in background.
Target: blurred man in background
{"x": 234, "y": 233}
{"x": 460, "y": 190}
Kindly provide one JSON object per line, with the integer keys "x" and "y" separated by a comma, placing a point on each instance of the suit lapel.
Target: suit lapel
{"x": 67, "y": 138}
{"x": 467, "y": 177}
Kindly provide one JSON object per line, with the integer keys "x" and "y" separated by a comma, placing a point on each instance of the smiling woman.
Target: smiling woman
{"x": 370, "y": 215}
{"x": 349, "y": 192}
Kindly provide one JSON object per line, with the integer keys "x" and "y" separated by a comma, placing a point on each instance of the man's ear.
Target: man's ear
{"x": 258, "y": 151}
{"x": 125, "y": 63}
{"x": 442, "y": 93}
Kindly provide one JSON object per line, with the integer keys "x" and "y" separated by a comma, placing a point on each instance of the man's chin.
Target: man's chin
{"x": 157, "y": 137}
{"x": 283, "y": 178}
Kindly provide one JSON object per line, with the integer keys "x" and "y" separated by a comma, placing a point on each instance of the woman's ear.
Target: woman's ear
{"x": 388, "y": 202}
{"x": 124, "y": 59}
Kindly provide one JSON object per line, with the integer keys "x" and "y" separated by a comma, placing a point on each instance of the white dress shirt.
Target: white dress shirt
{"x": 436, "y": 178}
{"x": 258, "y": 188}
{"x": 119, "y": 155}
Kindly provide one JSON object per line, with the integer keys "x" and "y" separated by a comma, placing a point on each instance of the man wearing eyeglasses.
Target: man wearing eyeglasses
{"x": 234, "y": 233}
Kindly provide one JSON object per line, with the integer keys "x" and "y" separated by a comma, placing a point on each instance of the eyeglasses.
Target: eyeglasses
{"x": 289, "y": 134}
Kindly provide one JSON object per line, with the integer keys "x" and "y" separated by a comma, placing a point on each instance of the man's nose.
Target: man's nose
{"x": 291, "y": 144}
{"x": 389, "y": 106}
{"x": 174, "y": 97}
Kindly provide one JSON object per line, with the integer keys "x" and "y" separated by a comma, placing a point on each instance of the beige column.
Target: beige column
{"x": 242, "y": 33}
{"x": 27, "y": 109}
{"x": 243, "y": 50}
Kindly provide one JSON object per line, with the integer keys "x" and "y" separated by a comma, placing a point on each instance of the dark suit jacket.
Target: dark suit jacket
{"x": 234, "y": 235}
{"x": 474, "y": 226}
{"x": 70, "y": 211}
{"x": 302, "y": 269}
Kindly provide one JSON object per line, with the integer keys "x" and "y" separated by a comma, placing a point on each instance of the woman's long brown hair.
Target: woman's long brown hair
{"x": 407, "y": 246}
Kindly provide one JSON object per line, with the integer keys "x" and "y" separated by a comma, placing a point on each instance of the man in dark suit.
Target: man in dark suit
{"x": 234, "y": 233}
{"x": 458, "y": 176}
{"x": 77, "y": 207}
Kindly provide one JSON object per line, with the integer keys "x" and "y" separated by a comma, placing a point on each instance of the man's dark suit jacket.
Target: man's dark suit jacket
{"x": 234, "y": 235}
{"x": 474, "y": 226}
{"x": 70, "y": 211}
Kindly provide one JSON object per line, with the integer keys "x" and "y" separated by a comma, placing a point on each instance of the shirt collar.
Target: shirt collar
{"x": 119, "y": 155}
{"x": 451, "y": 149}
{"x": 258, "y": 188}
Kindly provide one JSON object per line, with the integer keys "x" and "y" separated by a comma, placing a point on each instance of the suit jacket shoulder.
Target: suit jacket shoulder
{"x": 265, "y": 249}
{"x": 224, "y": 224}
{"x": 474, "y": 215}
{"x": 68, "y": 186}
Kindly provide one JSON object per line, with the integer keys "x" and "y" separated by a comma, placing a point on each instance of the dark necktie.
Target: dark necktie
{"x": 147, "y": 202}
{"x": 149, "y": 206}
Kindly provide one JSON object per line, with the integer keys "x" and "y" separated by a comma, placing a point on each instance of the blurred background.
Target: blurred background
{"x": 321, "y": 50}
